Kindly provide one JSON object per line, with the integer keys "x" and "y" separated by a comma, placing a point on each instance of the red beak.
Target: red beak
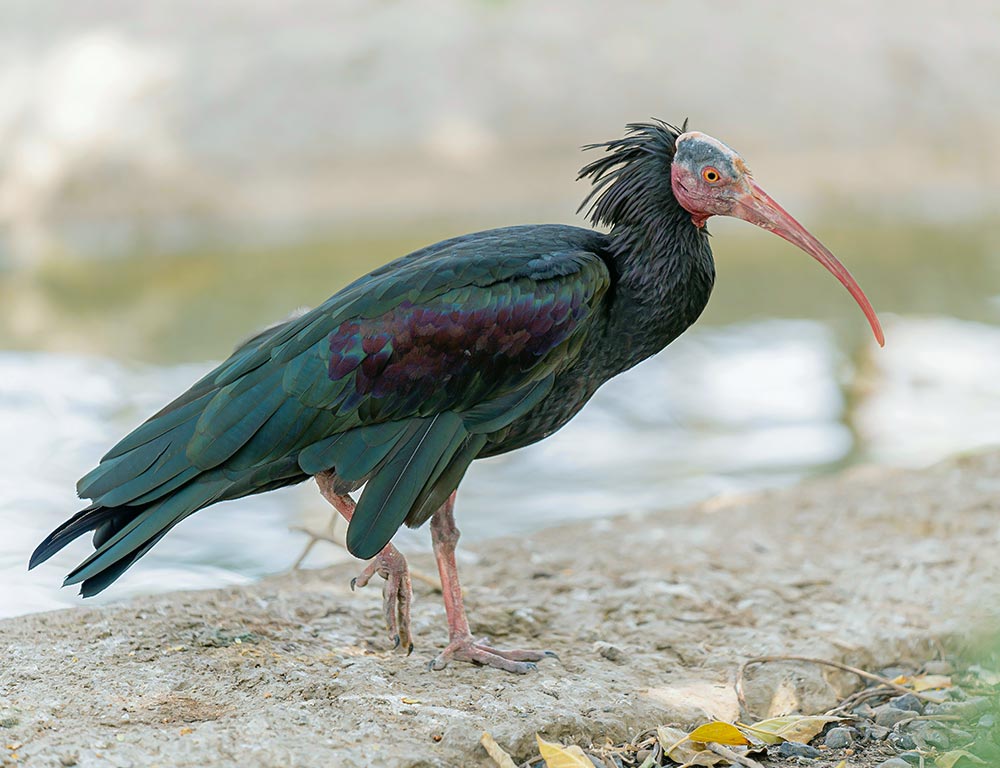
{"x": 759, "y": 208}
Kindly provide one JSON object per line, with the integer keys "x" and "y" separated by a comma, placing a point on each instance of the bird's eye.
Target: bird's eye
{"x": 711, "y": 175}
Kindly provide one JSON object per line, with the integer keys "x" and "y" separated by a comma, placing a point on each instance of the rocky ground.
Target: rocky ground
{"x": 651, "y": 616}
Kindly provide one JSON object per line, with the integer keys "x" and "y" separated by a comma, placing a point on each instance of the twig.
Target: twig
{"x": 934, "y": 718}
{"x": 734, "y": 757}
{"x": 741, "y": 698}
{"x": 858, "y": 698}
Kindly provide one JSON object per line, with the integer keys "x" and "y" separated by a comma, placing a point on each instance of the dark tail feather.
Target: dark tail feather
{"x": 124, "y": 534}
{"x": 108, "y": 576}
{"x": 135, "y": 536}
{"x": 83, "y": 521}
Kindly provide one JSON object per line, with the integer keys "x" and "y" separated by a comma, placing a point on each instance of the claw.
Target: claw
{"x": 397, "y": 593}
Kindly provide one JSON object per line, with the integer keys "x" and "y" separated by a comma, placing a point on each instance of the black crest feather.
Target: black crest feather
{"x": 633, "y": 173}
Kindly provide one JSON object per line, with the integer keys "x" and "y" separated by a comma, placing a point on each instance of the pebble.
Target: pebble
{"x": 887, "y": 715}
{"x": 864, "y": 711}
{"x": 874, "y": 732}
{"x": 902, "y": 741}
{"x": 970, "y": 709}
{"x": 938, "y": 668}
{"x": 929, "y": 734}
{"x": 839, "y": 738}
{"x": 894, "y": 762}
{"x": 908, "y": 702}
{"x": 609, "y": 651}
{"x": 794, "y": 749}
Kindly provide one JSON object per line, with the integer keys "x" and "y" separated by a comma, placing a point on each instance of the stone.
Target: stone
{"x": 908, "y": 702}
{"x": 794, "y": 749}
{"x": 940, "y": 667}
{"x": 887, "y": 715}
{"x": 609, "y": 651}
{"x": 902, "y": 741}
{"x": 839, "y": 738}
{"x": 874, "y": 732}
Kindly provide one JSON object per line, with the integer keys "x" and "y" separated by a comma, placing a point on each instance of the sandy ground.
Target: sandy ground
{"x": 651, "y": 617}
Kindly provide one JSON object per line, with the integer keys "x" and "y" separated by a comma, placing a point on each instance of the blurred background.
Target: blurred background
{"x": 175, "y": 175}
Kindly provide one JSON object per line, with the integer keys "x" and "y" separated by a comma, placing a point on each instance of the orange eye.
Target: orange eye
{"x": 711, "y": 175}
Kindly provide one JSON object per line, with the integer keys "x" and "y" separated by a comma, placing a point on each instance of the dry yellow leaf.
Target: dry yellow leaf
{"x": 408, "y": 700}
{"x": 680, "y": 749}
{"x": 718, "y": 732}
{"x": 948, "y": 759}
{"x": 798, "y": 728}
{"x": 496, "y": 752}
{"x": 930, "y": 682}
{"x": 558, "y": 756}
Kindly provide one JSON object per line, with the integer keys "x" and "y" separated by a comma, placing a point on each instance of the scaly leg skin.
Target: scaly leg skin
{"x": 397, "y": 593}
{"x": 462, "y": 646}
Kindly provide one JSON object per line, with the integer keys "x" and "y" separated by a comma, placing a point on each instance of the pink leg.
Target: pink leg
{"x": 389, "y": 564}
{"x": 462, "y": 646}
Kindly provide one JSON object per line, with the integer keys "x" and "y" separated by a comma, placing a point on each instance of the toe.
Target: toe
{"x": 516, "y": 654}
{"x": 390, "y": 594}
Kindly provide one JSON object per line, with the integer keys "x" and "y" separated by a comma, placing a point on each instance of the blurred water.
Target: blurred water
{"x": 724, "y": 409}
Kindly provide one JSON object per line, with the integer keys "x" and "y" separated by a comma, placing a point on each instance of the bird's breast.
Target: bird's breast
{"x": 569, "y": 394}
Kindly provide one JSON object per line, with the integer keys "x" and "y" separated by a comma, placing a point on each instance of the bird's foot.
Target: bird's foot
{"x": 480, "y": 652}
{"x": 397, "y": 593}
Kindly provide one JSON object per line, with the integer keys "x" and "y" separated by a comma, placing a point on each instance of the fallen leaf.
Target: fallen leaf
{"x": 718, "y": 732}
{"x": 495, "y": 751}
{"x": 408, "y": 700}
{"x": 680, "y": 749}
{"x": 930, "y": 682}
{"x": 558, "y": 756}
{"x": 948, "y": 759}
{"x": 798, "y": 728}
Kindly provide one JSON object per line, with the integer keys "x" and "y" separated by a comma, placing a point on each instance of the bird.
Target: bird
{"x": 468, "y": 348}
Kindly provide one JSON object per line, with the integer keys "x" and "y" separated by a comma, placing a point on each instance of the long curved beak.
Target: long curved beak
{"x": 757, "y": 207}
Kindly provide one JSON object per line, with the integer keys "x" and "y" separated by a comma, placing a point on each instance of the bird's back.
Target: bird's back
{"x": 400, "y": 379}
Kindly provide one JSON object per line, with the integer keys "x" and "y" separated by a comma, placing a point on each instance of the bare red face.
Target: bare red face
{"x": 710, "y": 179}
